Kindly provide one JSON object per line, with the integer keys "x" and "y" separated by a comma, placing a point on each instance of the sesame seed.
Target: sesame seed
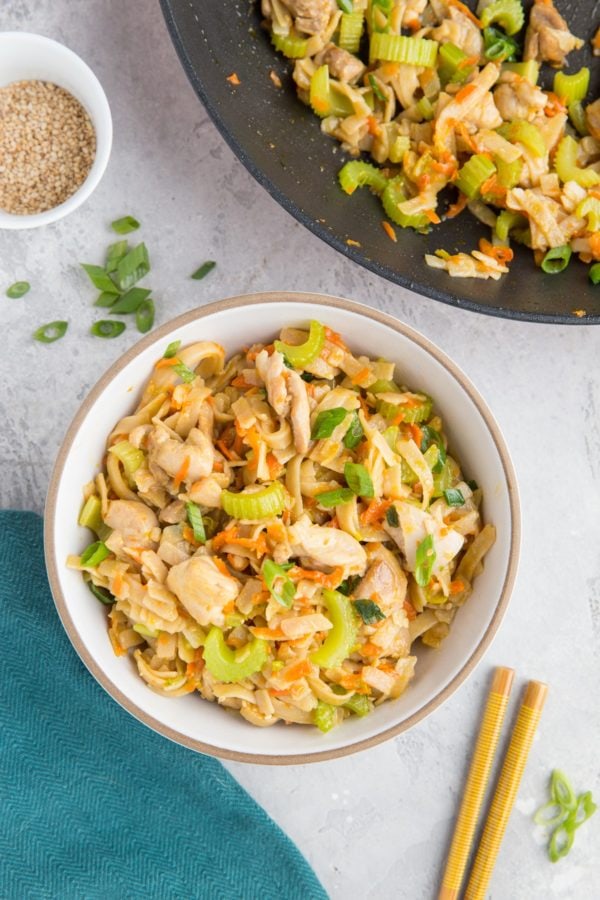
{"x": 47, "y": 146}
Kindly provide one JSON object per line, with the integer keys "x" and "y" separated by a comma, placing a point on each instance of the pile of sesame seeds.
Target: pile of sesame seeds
{"x": 47, "y": 146}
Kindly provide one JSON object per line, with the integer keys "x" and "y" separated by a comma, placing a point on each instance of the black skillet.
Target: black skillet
{"x": 278, "y": 140}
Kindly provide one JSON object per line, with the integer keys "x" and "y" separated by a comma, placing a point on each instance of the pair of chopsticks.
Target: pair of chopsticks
{"x": 506, "y": 788}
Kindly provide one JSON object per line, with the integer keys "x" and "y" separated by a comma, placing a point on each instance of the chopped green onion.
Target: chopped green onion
{"x": 144, "y": 316}
{"x": 204, "y": 269}
{"x": 359, "y": 705}
{"x": 498, "y": 46}
{"x": 114, "y": 255}
{"x": 561, "y": 841}
{"x": 376, "y": 89}
{"x": 53, "y": 331}
{"x": 132, "y": 267}
{"x": 271, "y": 572}
{"x": 327, "y": 421}
{"x": 506, "y": 13}
{"x": 107, "y": 329}
{"x": 413, "y": 51}
{"x": 308, "y": 377}
{"x": 571, "y": 88}
{"x": 348, "y": 586}
{"x": 358, "y": 480}
{"x": 324, "y": 715}
{"x": 99, "y": 278}
{"x": 336, "y": 497}
{"x": 558, "y": 814}
{"x": 584, "y": 809}
{"x": 454, "y": 497}
{"x": 93, "y": 555}
{"x": 101, "y": 594}
{"x": 431, "y": 436}
{"x": 194, "y": 517}
{"x": 391, "y": 517}
{"x": 355, "y": 433}
{"x": 301, "y": 355}
{"x": 185, "y": 373}
{"x": 556, "y": 260}
{"x": 18, "y": 289}
{"x": 171, "y": 350}
{"x": 346, "y": 6}
{"x": 594, "y": 273}
{"x": 425, "y": 560}
{"x": 263, "y": 504}
{"x": 106, "y": 299}
{"x": 130, "y": 301}
{"x": 369, "y": 611}
{"x": 561, "y": 790}
{"x": 125, "y": 225}
{"x": 357, "y": 173}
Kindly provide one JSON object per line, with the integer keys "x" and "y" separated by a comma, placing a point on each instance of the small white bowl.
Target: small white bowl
{"x": 32, "y": 57}
{"x": 473, "y": 435}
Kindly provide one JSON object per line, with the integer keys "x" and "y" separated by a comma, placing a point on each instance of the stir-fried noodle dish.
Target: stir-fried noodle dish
{"x": 277, "y": 530}
{"x": 440, "y": 95}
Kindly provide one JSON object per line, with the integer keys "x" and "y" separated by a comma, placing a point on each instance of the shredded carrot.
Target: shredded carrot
{"x": 218, "y": 466}
{"x": 464, "y": 92}
{"x": 432, "y": 216}
{"x": 501, "y": 254}
{"x": 240, "y": 382}
{"x": 274, "y": 465}
{"x": 375, "y": 511}
{"x": 457, "y": 207}
{"x": 268, "y": 634}
{"x": 361, "y": 376}
{"x": 491, "y": 186}
{"x": 389, "y": 69}
{"x": 354, "y": 683}
{"x": 328, "y": 581}
{"x": 596, "y": 40}
{"x": 595, "y": 244}
{"x": 117, "y": 585}
{"x": 276, "y": 532}
{"x": 225, "y": 450}
{"x": 221, "y": 566}
{"x": 389, "y": 231}
{"x": 410, "y": 611}
{"x": 188, "y": 535}
{"x": 233, "y": 79}
{"x": 224, "y": 537}
{"x": 457, "y": 586}
{"x": 555, "y": 105}
{"x": 423, "y": 182}
{"x": 259, "y": 544}
{"x": 370, "y": 650}
{"x": 373, "y": 125}
{"x": 469, "y": 140}
{"x": 298, "y": 670}
{"x": 468, "y": 61}
{"x": 334, "y": 338}
{"x": 399, "y": 417}
{"x": 182, "y": 473}
{"x": 465, "y": 11}
{"x": 229, "y": 607}
{"x": 417, "y": 434}
{"x": 166, "y": 363}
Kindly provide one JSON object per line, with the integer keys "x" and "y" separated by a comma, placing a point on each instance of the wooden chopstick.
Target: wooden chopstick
{"x": 479, "y": 771}
{"x": 506, "y": 789}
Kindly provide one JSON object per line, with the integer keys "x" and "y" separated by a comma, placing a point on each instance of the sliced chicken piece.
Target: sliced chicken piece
{"x": 342, "y": 65}
{"x": 272, "y": 371}
{"x": 548, "y": 38}
{"x": 457, "y": 29}
{"x": 208, "y": 491}
{"x": 520, "y": 100}
{"x": 415, "y": 525}
{"x": 171, "y": 455}
{"x": 327, "y": 546}
{"x": 300, "y": 411}
{"x": 133, "y": 520}
{"x": 385, "y": 578}
{"x": 592, "y": 117}
{"x": 311, "y": 16}
{"x": 486, "y": 115}
{"x": 458, "y": 110}
{"x": 542, "y": 213}
{"x": 203, "y": 589}
{"x": 173, "y": 548}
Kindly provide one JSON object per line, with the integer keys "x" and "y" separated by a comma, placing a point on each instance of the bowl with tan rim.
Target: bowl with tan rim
{"x": 473, "y": 436}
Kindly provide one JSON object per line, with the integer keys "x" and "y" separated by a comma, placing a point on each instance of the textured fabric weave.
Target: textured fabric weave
{"x": 96, "y": 806}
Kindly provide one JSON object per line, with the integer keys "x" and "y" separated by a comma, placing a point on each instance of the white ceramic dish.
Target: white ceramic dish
{"x": 32, "y": 57}
{"x": 474, "y": 437}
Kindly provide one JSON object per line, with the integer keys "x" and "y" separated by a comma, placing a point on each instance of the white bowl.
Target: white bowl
{"x": 32, "y": 57}
{"x": 473, "y": 435}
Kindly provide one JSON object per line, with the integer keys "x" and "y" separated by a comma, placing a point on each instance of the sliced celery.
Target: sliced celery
{"x": 525, "y": 133}
{"x": 358, "y": 704}
{"x": 506, "y": 13}
{"x": 302, "y": 355}
{"x": 229, "y": 665}
{"x": 91, "y": 516}
{"x": 263, "y": 504}
{"x": 507, "y": 220}
{"x": 571, "y": 88}
{"x": 578, "y": 118}
{"x": 324, "y": 100}
{"x": 324, "y": 716}
{"x": 338, "y": 644}
{"x": 529, "y": 70}
{"x": 130, "y": 456}
{"x": 565, "y": 163}
{"x": 474, "y": 174}
{"x": 351, "y": 29}
{"x": 398, "y": 148}
{"x": 418, "y": 411}
{"x": 590, "y": 209}
{"x": 356, "y": 173}
{"x": 413, "y": 51}
{"x": 508, "y": 174}
{"x": 291, "y": 45}
{"x": 392, "y": 196}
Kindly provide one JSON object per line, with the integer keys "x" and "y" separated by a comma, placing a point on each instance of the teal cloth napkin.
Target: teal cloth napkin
{"x": 97, "y": 806}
